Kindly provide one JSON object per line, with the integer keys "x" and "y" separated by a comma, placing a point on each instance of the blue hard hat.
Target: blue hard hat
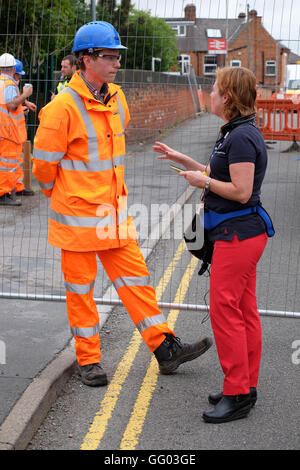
{"x": 97, "y": 34}
{"x": 19, "y": 67}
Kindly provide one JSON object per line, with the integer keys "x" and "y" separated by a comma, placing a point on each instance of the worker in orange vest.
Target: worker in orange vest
{"x": 27, "y": 106}
{"x": 12, "y": 129}
{"x": 79, "y": 157}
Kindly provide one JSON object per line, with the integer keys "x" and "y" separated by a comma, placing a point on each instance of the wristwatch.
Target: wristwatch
{"x": 207, "y": 183}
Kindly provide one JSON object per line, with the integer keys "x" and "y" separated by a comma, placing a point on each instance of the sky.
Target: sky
{"x": 281, "y": 18}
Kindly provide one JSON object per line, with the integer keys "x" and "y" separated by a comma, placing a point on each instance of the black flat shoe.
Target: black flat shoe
{"x": 214, "y": 398}
{"x": 229, "y": 408}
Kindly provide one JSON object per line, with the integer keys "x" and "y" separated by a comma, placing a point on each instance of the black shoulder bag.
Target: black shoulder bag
{"x": 197, "y": 242}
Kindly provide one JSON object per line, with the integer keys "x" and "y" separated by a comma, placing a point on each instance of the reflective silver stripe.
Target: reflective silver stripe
{"x": 122, "y": 216}
{"x": 46, "y": 185}
{"x": 76, "y": 165}
{"x": 103, "y": 165}
{"x": 47, "y": 156}
{"x": 121, "y": 112}
{"x": 91, "y": 132}
{"x": 79, "y": 288}
{"x": 85, "y": 332}
{"x": 9, "y": 160}
{"x": 94, "y": 164}
{"x": 150, "y": 321}
{"x": 129, "y": 281}
{"x": 87, "y": 222}
{"x": 8, "y": 169}
{"x": 119, "y": 160}
{"x": 5, "y": 111}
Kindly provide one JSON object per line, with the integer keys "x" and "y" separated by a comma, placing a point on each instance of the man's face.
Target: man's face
{"x": 104, "y": 69}
{"x": 66, "y": 68}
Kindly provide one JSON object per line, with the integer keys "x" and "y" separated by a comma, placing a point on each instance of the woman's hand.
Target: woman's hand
{"x": 167, "y": 153}
{"x": 195, "y": 178}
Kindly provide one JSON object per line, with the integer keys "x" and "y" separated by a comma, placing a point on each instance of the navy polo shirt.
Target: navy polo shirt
{"x": 244, "y": 143}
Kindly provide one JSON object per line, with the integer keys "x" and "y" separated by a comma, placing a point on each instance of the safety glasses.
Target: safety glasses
{"x": 110, "y": 57}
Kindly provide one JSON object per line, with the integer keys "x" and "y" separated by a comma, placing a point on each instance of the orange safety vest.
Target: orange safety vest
{"x": 78, "y": 159}
{"x": 12, "y": 123}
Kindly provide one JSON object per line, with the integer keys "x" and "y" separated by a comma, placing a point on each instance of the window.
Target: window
{"x": 270, "y": 68}
{"x": 235, "y": 63}
{"x": 184, "y": 62}
{"x": 213, "y": 33}
{"x": 180, "y": 29}
{"x": 210, "y": 64}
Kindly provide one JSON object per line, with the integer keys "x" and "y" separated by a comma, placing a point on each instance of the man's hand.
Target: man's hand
{"x": 25, "y": 110}
{"x": 30, "y": 106}
{"x": 27, "y": 91}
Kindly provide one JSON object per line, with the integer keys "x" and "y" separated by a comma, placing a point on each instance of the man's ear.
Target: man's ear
{"x": 86, "y": 60}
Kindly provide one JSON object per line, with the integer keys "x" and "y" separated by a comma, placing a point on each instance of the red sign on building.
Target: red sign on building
{"x": 217, "y": 46}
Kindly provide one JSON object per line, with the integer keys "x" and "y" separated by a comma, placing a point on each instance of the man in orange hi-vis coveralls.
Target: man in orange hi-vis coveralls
{"x": 79, "y": 156}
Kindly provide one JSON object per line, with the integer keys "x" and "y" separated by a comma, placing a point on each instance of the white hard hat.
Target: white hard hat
{"x": 7, "y": 60}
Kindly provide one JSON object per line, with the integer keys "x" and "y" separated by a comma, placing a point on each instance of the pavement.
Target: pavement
{"x": 36, "y": 347}
{"x": 39, "y": 356}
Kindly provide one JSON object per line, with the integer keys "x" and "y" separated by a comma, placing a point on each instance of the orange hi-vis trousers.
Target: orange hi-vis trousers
{"x": 11, "y": 166}
{"x": 128, "y": 272}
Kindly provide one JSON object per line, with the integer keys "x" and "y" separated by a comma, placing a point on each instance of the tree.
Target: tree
{"x": 106, "y": 10}
{"x": 148, "y": 37}
{"x": 33, "y": 29}
{"x": 144, "y": 35}
{"x": 40, "y": 33}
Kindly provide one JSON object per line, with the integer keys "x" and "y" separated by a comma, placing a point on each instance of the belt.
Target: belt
{"x": 212, "y": 218}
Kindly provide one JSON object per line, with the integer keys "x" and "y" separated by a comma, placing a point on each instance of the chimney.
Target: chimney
{"x": 190, "y": 13}
{"x": 252, "y": 14}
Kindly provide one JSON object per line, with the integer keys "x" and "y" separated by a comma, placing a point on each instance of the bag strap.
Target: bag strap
{"x": 212, "y": 218}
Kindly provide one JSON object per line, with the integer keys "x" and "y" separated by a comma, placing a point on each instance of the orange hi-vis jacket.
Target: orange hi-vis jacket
{"x": 12, "y": 123}
{"x": 79, "y": 154}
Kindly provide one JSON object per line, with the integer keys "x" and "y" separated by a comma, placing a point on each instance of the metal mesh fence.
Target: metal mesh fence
{"x": 40, "y": 33}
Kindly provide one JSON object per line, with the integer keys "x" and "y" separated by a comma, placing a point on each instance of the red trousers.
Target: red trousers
{"x": 233, "y": 309}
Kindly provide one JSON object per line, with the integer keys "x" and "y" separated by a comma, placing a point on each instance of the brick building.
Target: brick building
{"x": 248, "y": 44}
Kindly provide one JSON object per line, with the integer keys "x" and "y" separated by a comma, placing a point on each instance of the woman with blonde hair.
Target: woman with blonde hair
{"x": 238, "y": 227}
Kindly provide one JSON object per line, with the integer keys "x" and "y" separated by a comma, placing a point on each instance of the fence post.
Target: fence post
{"x": 27, "y": 164}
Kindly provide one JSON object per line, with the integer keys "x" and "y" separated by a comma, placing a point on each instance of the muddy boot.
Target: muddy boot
{"x": 172, "y": 352}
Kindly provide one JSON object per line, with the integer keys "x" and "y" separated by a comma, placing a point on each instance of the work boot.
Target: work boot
{"x": 9, "y": 200}
{"x": 25, "y": 192}
{"x": 172, "y": 352}
{"x": 92, "y": 375}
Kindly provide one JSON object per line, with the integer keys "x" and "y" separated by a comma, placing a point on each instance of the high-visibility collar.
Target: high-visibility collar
{"x": 5, "y": 77}
{"x": 78, "y": 84}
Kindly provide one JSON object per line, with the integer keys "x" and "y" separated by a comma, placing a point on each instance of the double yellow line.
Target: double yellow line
{"x": 135, "y": 425}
